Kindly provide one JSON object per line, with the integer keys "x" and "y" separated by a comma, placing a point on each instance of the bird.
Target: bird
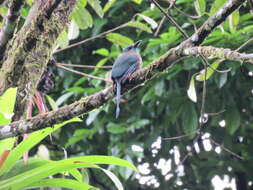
{"x": 124, "y": 66}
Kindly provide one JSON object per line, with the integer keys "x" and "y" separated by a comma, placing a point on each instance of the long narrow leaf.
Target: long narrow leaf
{"x": 30, "y": 142}
{"x": 52, "y": 168}
{"x": 56, "y": 182}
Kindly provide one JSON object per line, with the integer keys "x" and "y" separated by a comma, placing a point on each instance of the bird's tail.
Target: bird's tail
{"x": 118, "y": 89}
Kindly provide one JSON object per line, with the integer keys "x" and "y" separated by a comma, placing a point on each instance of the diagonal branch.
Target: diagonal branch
{"x": 9, "y": 25}
{"x": 98, "y": 99}
{"x": 199, "y": 36}
{"x": 211, "y": 52}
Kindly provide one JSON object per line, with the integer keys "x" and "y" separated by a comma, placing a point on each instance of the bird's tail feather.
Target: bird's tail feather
{"x": 118, "y": 89}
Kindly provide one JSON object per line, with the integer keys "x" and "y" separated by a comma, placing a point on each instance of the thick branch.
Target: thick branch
{"x": 96, "y": 100}
{"x": 27, "y": 58}
{"x": 212, "y": 52}
{"x": 9, "y": 25}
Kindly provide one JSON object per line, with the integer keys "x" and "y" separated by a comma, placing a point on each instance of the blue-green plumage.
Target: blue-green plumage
{"x": 124, "y": 66}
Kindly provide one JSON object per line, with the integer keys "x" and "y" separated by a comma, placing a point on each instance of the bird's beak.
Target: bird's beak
{"x": 136, "y": 44}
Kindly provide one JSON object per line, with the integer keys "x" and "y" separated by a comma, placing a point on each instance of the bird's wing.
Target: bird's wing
{"x": 123, "y": 63}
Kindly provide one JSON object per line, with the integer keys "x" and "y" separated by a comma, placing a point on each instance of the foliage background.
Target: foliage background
{"x": 161, "y": 108}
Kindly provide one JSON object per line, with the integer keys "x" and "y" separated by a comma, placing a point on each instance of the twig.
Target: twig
{"x": 181, "y": 136}
{"x": 82, "y": 74}
{"x": 172, "y": 21}
{"x": 225, "y": 149}
{"x": 217, "y": 113}
{"x": 172, "y": 3}
{"x": 244, "y": 44}
{"x": 85, "y": 66}
{"x": 159, "y": 26}
{"x": 187, "y": 15}
{"x": 92, "y": 38}
{"x": 184, "y": 158}
{"x": 202, "y": 109}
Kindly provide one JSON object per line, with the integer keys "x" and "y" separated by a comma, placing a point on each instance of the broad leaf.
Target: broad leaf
{"x": 233, "y": 120}
{"x": 60, "y": 182}
{"x": 140, "y": 26}
{"x": 189, "y": 118}
{"x": 209, "y": 72}
{"x": 27, "y": 144}
{"x": 200, "y": 6}
{"x": 149, "y": 20}
{"x": 73, "y": 31}
{"x": 7, "y": 101}
{"x": 95, "y": 4}
{"x": 191, "y": 92}
{"x": 119, "y": 39}
{"x": 54, "y": 167}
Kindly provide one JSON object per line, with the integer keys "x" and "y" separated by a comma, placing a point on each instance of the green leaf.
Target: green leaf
{"x": 216, "y": 5}
{"x": 73, "y": 31}
{"x": 63, "y": 98}
{"x": 189, "y": 118}
{"x": 5, "y": 118}
{"x": 233, "y": 20}
{"x": 115, "y": 128}
{"x": 222, "y": 79}
{"x": 233, "y": 119}
{"x": 82, "y": 3}
{"x": 119, "y": 39}
{"x": 114, "y": 178}
{"x": 200, "y": 6}
{"x": 102, "y": 51}
{"x": 108, "y": 5}
{"x": 209, "y": 73}
{"x": 54, "y": 167}
{"x": 7, "y": 101}
{"x": 76, "y": 174}
{"x": 7, "y": 144}
{"x": 149, "y": 20}
{"x": 27, "y": 144}
{"x": 159, "y": 88}
{"x": 23, "y": 180}
{"x": 82, "y": 17}
{"x": 95, "y": 4}
{"x": 92, "y": 116}
{"x": 137, "y": 1}
{"x": 140, "y": 26}
{"x": 101, "y": 63}
{"x": 52, "y": 103}
{"x": 191, "y": 92}
{"x": 60, "y": 182}
{"x": 139, "y": 124}
{"x": 62, "y": 39}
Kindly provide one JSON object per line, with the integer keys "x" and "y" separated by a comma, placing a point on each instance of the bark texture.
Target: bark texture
{"x": 32, "y": 47}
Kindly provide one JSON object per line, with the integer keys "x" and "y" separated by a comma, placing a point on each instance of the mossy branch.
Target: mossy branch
{"x": 211, "y": 52}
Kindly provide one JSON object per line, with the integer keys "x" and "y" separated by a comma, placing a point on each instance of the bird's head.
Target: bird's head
{"x": 132, "y": 47}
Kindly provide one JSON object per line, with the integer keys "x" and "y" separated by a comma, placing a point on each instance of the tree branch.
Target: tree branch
{"x": 98, "y": 99}
{"x": 213, "y": 52}
{"x": 9, "y": 25}
{"x": 198, "y": 37}
{"x": 30, "y": 52}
